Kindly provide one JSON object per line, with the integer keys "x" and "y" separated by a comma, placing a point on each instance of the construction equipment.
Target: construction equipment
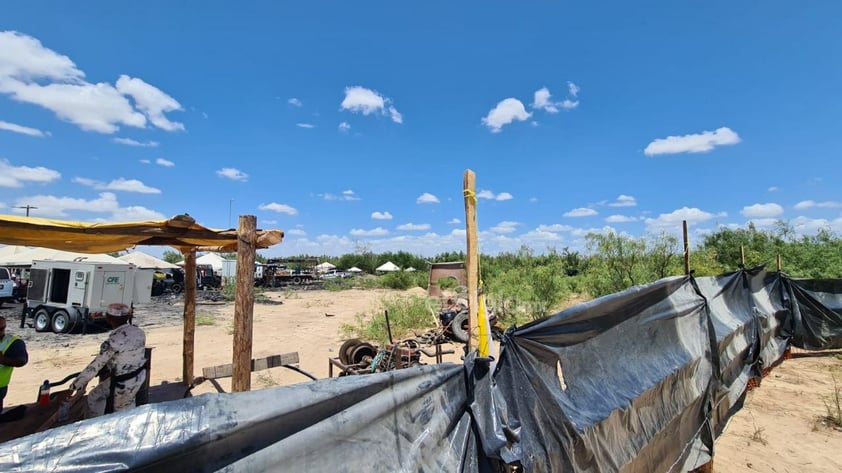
{"x": 64, "y": 295}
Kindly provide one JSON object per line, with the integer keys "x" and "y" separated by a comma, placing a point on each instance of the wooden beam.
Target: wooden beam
{"x": 189, "y": 315}
{"x": 244, "y": 304}
{"x": 686, "y": 248}
{"x": 742, "y": 256}
{"x": 472, "y": 259}
{"x": 227, "y": 371}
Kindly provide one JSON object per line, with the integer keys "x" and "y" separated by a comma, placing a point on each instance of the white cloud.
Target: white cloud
{"x": 294, "y": 102}
{"x": 773, "y": 189}
{"x": 295, "y": 232}
{"x": 379, "y": 231}
{"x": 52, "y": 206}
{"x": 136, "y": 213}
{"x": 581, "y": 212}
{"x": 624, "y": 201}
{"x": 280, "y": 208}
{"x": 807, "y": 204}
{"x": 454, "y": 221}
{"x": 366, "y": 101}
{"x": 120, "y": 184}
{"x": 427, "y": 198}
{"x": 164, "y": 162}
{"x": 671, "y": 222}
{"x": 233, "y": 174}
{"x": 344, "y": 127}
{"x": 695, "y": 143}
{"x": 32, "y": 73}
{"x": 24, "y": 130}
{"x": 542, "y": 100}
{"x": 347, "y": 195}
{"x": 150, "y": 100}
{"x": 381, "y": 216}
{"x": 145, "y": 161}
{"x": 554, "y": 228}
{"x": 533, "y": 199}
{"x": 620, "y": 219}
{"x": 131, "y": 142}
{"x": 305, "y": 125}
{"x": 505, "y": 227}
{"x": 16, "y": 176}
{"x": 414, "y": 226}
{"x": 506, "y": 111}
{"x": 762, "y": 211}
{"x": 487, "y": 194}
{"x": 808, "y": 226}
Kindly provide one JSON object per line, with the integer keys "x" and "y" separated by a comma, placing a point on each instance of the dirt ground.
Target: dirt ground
{"x": 778, "y": 430}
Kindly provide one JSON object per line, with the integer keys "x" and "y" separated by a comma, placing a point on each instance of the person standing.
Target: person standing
{"x": 124, "y": 356}
{"x": 12, "y": 355}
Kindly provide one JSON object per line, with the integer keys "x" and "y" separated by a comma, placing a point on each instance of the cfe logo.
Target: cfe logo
{"x": 112, "y": 280}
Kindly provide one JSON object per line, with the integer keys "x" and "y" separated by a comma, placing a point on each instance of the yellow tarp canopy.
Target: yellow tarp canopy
{"x": 181, "y": 232}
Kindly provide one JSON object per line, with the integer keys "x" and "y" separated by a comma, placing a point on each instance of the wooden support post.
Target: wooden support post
{"x": 780, "y": 264}
{"x": 742, "y": 256}
{"x": 472, "y": 259}
{"x": 244, "y": 304}
{"x": 686, "y": 248}
{"x": 189, "y": 315}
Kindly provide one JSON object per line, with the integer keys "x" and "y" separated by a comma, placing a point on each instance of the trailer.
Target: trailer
{"x": 66, "y": 295}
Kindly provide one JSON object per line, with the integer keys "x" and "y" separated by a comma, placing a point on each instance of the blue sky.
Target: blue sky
{"x": 350, "y": 125}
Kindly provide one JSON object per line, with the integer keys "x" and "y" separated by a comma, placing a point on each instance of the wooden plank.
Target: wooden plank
{"x": 244, "y": 304}
{"x": 472, "y": 259}
{"x": 227, "y": 371}
{"x": 189, "y": 315}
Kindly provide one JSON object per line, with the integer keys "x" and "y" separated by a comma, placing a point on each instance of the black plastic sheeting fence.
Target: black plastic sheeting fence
{"x": 639, "y": 381}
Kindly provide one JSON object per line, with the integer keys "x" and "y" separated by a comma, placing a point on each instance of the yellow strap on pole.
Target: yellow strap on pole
{"x": 476, "y": 301}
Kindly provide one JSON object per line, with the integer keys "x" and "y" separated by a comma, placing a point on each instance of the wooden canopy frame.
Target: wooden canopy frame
{"x": 180, "y": 232}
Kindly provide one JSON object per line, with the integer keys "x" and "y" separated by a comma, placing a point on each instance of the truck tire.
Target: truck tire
{"x": 43, "y": 321}
{"x": 296, "y": 280}
{"x": 61, "y": 321}
{"x": 459, "y": 326}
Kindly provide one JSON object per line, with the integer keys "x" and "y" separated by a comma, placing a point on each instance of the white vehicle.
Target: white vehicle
{"x": 64, "y": 295}
{"x": 7, "y": 286}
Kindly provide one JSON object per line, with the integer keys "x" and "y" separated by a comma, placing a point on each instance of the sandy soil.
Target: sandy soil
{"x": 778, "y": 430}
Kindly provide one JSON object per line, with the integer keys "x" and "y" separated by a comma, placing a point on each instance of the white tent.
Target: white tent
{"x": 324, "y": 267}
{"x": 355, "y": 270}
{"x": 388, "y": 267}
{"x": 410, "y": 269}
{"x": 10, "y": 252}
{"x": 144, "y": 261}
{"x": 25, "y": 258}
{"x": 212, "y": 259}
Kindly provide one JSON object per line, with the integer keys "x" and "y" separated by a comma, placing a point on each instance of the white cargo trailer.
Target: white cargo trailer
{"x": 64, "y": 295}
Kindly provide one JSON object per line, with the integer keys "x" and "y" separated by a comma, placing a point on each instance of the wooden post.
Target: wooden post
{"x": 780, "y": 264}
{"x": 742, "y": 256}
{"x": 686, "y": 248}
{"x": 472, "y": 259}
{"x": 244, "y": 304}
{"x": 189, "y": 314}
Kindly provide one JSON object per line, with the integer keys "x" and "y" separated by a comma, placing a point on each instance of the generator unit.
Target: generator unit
{"x": 66, "y": 295}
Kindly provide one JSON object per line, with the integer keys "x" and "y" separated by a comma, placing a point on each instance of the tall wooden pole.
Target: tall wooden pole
{"x": 742, "y": 256}
{"x": 189, "y": 315}
{"x": 244, "y": 304}
{"x": 686, "y": 248}
{"x": 472, "y": 259}
{"x": 780, "y": 264}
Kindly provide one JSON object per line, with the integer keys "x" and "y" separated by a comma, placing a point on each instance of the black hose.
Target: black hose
{"x": 299, "y": 370}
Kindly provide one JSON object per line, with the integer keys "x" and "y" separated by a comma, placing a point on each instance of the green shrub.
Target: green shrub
{"x": 403, "y": 280}
{"x": 407, "y": 315}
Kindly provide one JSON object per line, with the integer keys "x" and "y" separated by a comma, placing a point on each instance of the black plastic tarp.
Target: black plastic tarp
{"x": 401, "y": 421}
{"x": 817, "y": 313}
{"x": 636, "y": 382}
